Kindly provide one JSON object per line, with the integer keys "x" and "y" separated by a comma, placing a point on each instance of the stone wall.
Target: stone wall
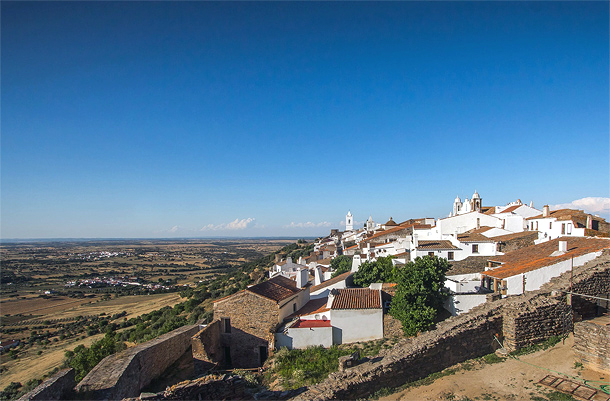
{"x": 124, "y": 374}
{"x": 592, "y": 344}
{"x": 520, "y": 241}
{"x": 253, "y": 319}
{"x": 206, "y": 343}
{"x": 523, "y": 319}
{"x": 535, "y": 320}
{"x": 472, "y": 264}
{"x": 57, "y": 387}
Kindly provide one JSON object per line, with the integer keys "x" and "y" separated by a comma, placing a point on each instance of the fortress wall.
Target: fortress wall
{"x": 206, "y": 343}
{"x": 124, "y": 374}
{"x": 57, "y": 387}
{"x": 517, "y": 320}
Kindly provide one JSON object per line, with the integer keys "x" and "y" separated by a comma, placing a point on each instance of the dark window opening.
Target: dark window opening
{"x": 430, "y": 253}
{"x": 475, "y": 248}
{"x": 595, "y": 225}
{"x": 263, "y": 354}
{"x": 227, "y": 324}
{"x": 450, "y": 256}
{"x": 294, "y": 307}
{"x": 227, "y": 354}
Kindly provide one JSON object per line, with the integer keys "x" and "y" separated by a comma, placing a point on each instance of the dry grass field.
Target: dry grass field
{"x": 50, "y": 324}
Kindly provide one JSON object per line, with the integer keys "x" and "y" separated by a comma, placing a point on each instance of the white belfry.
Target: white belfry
{"x": 349, "y": 221}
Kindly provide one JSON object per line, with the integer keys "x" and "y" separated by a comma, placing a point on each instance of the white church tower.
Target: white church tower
{"x": 370, "y": 224}
{"x": 349, "y": 221}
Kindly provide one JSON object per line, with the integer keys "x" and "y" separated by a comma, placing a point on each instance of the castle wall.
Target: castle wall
{"x": 57, "y": 387}
{"x": 592, "y": 345}
{"x": 124, "y": 374}
{"x": 206, "y": 343}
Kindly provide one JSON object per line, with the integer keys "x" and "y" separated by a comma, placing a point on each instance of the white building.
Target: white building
{"x": 566, "y": 223}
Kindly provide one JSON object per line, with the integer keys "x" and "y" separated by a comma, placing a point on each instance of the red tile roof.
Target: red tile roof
{"x": 278, "y": 288}
{"x": 311, "y": 308}
{"x": 473, "y": 237}
{"x": 508, "y": 237}
{"x": 479, "y": 230}
{"x": 331, "y": 281}
{"x": 357, "y": 298}
{"x": 438, "y": 244}
{"x": 564, "y": 214}
{"x": 537, "y": 256}
{"x": 511, "y": 209}
{"x": 304, "y": 324}
{"x": 384, "y": 232}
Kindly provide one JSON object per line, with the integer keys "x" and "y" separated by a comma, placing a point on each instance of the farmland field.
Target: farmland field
{"x": 58, "y": 295}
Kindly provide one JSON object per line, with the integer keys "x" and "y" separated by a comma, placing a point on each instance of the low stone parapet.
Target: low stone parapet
{"x": 57, "y": 387}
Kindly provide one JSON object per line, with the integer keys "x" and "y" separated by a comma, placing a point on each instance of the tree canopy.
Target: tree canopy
{"x": 420, "y": 293}
{"x": 380, "y": 271}
{"x": 341, "y": 264}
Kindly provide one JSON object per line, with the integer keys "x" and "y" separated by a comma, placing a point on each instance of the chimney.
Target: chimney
{"x": 563, "y": 246}
{"x": 302, "y": 277}
{"x": 288, "y": 260}
{"x": 546, "y": 211}
{"x": 356, "y": 262}
{"x": 589, "y": 224}
{"x": 318, "y": 275}
{"x": 415, "y": 240}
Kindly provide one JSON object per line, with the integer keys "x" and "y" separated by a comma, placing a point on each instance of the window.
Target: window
{"x": 450, "y": 256}
{"x": 226, "y": 324}
{"x": 294, "y": 307}
{"x": 550, "y": 225}
{"x": 563, "y": 228}
{"x": 430, "y": 253}
{"x": 536, "y": 225}
{"x": 569, "y": 228}
{"x": 475, "y": 248}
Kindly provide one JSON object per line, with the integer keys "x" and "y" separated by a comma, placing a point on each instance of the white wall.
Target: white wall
{"x": 464, "y": 222}
{"x": 300, "y": 300}
{"x": 551, "y": 228}
{"x": 463, "y": 282}
{"x": 462, "y": 303}
{"x": 323, "y": 293}
{"x": 352, "y": 325}
{"x": 305, "y": 337}
{"x": 536, "y": 278}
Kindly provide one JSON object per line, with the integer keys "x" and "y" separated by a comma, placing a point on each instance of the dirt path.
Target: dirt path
{"x": 509, "y": 380}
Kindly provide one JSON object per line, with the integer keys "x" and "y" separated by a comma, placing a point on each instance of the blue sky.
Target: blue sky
{"x": 159, "y": 119}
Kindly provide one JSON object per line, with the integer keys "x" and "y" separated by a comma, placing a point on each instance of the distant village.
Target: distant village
{"x": 501, "y": 250}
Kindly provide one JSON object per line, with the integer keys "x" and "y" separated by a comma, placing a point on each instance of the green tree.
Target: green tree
{"x": 420, "y": 293}
{"x": 341, "y": 264}
{"x": 380, "y": 271}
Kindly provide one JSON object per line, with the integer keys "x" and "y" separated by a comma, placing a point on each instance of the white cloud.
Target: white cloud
{"x": 236, "y": 224}
{"x": 308, "y": 224}
{"x": 593, "y": 205}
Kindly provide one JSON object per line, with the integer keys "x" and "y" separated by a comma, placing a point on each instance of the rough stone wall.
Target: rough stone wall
{"x": 517, "y": 243}
{"x": 472, "y": 264}
{"x": 252, "y": 319}
{"x": 592, "y": 345}
{"x": 534, "y": 321}
{"x": 206, "y": 343}
{"x": 124, "y": 374}
{"x": 57, "y": 387}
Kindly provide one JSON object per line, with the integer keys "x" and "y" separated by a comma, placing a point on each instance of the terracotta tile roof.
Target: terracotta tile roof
{"x": 479, "y": 230}
{"x": 508, "y": 237}
{"x": 332, "y": 281}
{"x": 384, "y": 232}
{"x": 311, "y": 308}
{"x": 357, "y": 298}
{"x": 324, "y": 261}
{"x": 276, "y": 289}
{"x": 511, "y": 209}
{"x": 488, "y": 209}
{"x": 473, "y": 237}
{"x": 352, "y": 247}
{"x": 565, "y": 214}
{"x": 390, "y": 223}
{"x": 305, "y": 324}
{"x": 438, "y": 244}
{"x": 402, "y": 254}
{"x": 537, "y": 256}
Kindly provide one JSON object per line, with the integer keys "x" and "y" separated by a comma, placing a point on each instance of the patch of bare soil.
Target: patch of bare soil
{"x": 513, "y": 379}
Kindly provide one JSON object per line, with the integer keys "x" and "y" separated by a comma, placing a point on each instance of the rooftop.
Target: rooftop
{"x": 435, "y": 244}
{"x": 332, "y": 281}
{"x": 277, "y": 289}
{"x": 356, "y": 298}
{"x": 312, "y": 307}
{"x": 537, "y": 256}
{"x": 303, "y": 324}
{"x": 473, "y": 237}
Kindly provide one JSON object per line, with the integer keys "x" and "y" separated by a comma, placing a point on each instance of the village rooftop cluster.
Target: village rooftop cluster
{"x": 500, "y": 250}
